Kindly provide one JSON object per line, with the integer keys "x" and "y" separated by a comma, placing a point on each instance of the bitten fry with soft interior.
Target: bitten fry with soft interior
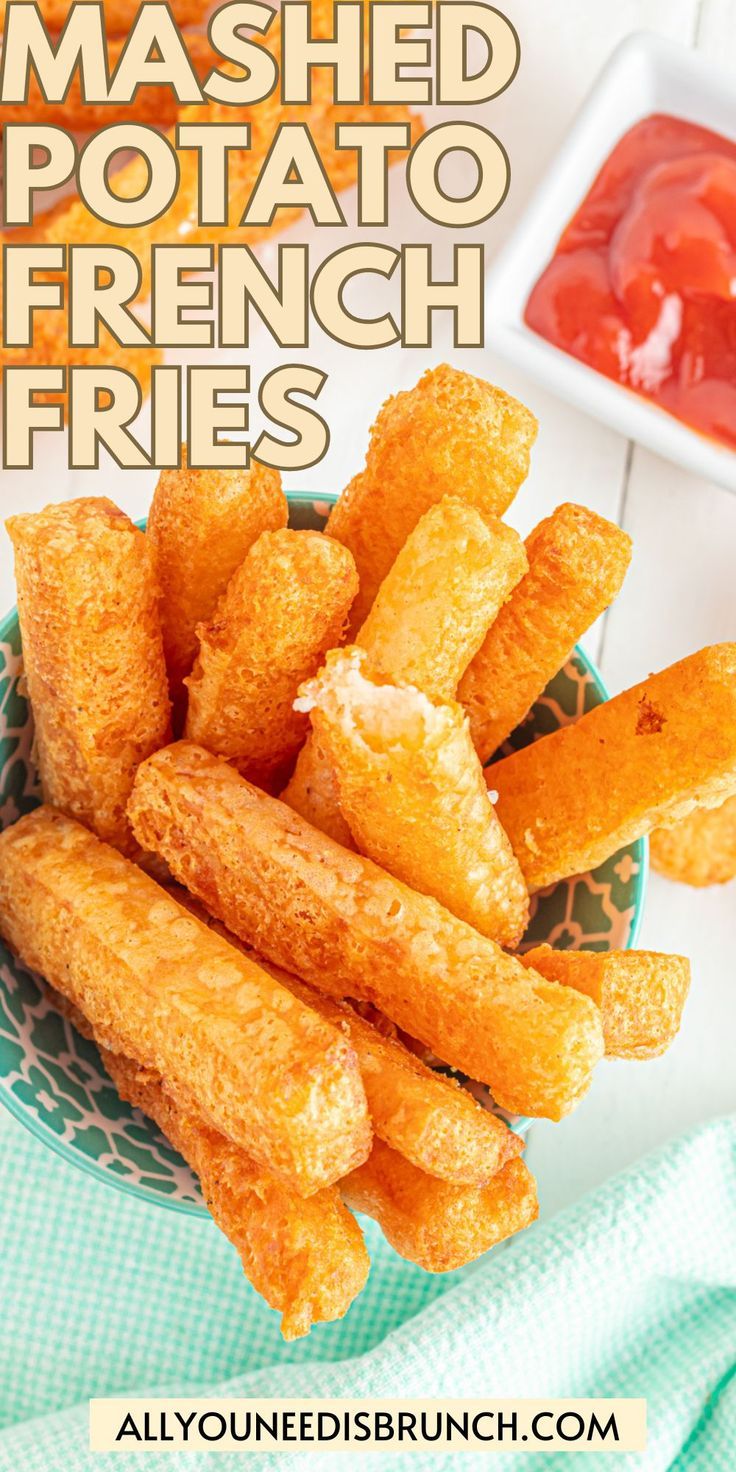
{"x": 577, "y": 563}
{"x": 414, "y": 796}
{"x": 347, "y": 927}
{"x": 284, "y": 607}
{"x": 159, "y": 986}
{"x": 432, "y": 1223}
{"x": 646, "y": 758}
{"x": 88, "y": 607}
{"x": 641, "y": 994}
{"x": 450, "y": 435}
{"x": 430, "y": 1119}
{"x": 451, "y": 577}
{"x": 200, "y": 527}
{"x": 701, "y": 850}
{"x": 306, "y": 1258}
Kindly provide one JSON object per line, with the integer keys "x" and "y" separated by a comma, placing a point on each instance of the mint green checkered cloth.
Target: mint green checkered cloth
{"x": 632, "y": 1292}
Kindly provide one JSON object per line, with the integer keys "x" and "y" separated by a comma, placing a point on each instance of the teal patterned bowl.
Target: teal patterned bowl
{"x": 52, "y": 1080}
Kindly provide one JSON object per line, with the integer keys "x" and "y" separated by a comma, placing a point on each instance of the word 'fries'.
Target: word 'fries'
{"x": 306, "y": 1258}
{"x": 577, "y": 563}
{"x": 92, "y": 655}
{"x": 432, "y": 610}
{"x": 701, "y": 850}
{"x": 432, "y": 1223}
{"x": 160, "y": 987}
{"x": 641, "y": 994}
{"x": 643, "y": 759}
{"x": 412, "y": 791}
{"x": 452, "y": 434}
{"x": 337, "y": 920}
{"x": 284, "y": 607}
{"x": 200, "y": 527}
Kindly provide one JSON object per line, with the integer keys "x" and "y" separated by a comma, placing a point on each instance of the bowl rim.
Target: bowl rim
{"x": 107, "y": 1177}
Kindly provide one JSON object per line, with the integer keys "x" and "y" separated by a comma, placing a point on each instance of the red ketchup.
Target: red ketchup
{"x": 642, "y": 285}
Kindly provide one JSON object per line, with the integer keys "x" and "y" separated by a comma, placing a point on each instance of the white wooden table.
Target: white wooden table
{"x": 679, "y": 594}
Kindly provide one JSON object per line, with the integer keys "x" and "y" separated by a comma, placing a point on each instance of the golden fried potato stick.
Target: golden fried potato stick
{"x": 427, "y": 1117}
{"x": 159, "y": 986}
{"x": 644, "y": 759}
{"x": 156, "y": 105}
{"x": 701, "y": 850}
{"x": 577, "y": 563}
{"x": 414, "y": 796}
{"x": 338, "y": 921}
{"x": 641, "y": 994}
{"x": 450, "y": 435}
{"x": 200, "y": 526}
{"x": 432, "y": 1223}
{"x": 445, "y": 588}
{"x": 88, "y": 605}
{"x": 284, "y": 607}
{"x": 312, "y": 793}
{"x": 119, "y": 14}
{"x": 306, "y": 1258}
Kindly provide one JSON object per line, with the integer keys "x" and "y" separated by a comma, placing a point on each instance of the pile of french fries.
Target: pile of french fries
{"x": 272, "y": 877}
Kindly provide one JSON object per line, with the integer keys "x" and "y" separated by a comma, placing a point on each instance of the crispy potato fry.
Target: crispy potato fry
{"x": 452, "y": 434}
{"x": 428, "y": 1118}
{"x": 450, "y": 578}
{"x": 306, "y": 1258}
{"x": 119, "y": 14}
{"x": 425, "y": 1115}
{"x": 413, "y": 793}
{"x": 432, "y": 610}
{"x": 200, "y": 527}
{"x": 701, "y": 850}
{"x": 89, "y": 618}
{"x": 284, "y": 607}
{"x": 160, "y": 987}
{"x": 312, "y": 793}
{"x": 432, "y": 1223}
{"x": 156, "y": 105}
{"x": 341, "y": 923}
{"x": 641, "y": 994}
{"x": 646, "y": 758}
{"x": 577, "y": 563}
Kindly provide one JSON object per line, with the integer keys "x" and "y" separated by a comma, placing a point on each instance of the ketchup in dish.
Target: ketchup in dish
{"x": 642, "y": 285}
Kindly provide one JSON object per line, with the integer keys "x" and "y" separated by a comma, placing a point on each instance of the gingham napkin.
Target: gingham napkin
{"x": 630, "y": 1292}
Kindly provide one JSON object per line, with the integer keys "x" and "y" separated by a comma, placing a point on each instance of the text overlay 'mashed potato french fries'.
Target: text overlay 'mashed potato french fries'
{"x": 268, "y": 996}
